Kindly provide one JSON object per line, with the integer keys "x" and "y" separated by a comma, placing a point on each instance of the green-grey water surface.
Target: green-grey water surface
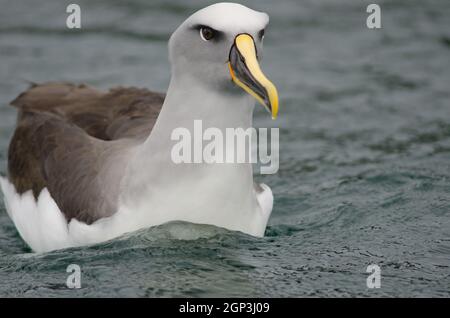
{"x": 364, "y": 151}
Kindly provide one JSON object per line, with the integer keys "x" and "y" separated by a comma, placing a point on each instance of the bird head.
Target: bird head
{"x": 220, "y": 46}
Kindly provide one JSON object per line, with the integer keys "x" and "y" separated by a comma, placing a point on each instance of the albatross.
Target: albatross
{"x": 86, "y": 166}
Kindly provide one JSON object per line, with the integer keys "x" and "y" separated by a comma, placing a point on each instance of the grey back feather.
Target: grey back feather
{"x": 74, "y": 140}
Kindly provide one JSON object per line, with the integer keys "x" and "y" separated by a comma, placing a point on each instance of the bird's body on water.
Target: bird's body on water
{"x": 85, "y": 166}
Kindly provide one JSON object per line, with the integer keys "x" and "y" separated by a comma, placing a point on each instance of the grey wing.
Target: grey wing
{"x": 67, "y": 135}
{"x": 68, "y": 162}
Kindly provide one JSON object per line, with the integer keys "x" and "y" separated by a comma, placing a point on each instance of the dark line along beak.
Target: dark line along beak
{"x": 246, "y": 73}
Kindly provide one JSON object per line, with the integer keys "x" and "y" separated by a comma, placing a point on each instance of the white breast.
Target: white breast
{"x": 44, "y": 228}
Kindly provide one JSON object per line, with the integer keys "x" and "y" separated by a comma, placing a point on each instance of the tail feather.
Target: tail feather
{"x": 39, "y": 222}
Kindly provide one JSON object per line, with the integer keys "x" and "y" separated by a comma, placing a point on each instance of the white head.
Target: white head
{"x": 222, "y": 44}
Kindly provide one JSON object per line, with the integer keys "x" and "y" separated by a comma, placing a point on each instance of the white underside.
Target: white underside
{"x": 44, "y": 228}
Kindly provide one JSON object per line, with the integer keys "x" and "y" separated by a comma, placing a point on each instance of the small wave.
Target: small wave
{"x": 111, "y": 31}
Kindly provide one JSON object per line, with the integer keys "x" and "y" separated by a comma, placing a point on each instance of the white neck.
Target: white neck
{"x": 198, "y": 193}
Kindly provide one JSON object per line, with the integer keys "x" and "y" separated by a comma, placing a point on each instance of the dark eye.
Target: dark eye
{"x": 207, "y": 33}
{"x": 261, "y": 34}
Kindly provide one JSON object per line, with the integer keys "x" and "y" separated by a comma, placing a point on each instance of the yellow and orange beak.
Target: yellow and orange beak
{"x": 246, "y": 73}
